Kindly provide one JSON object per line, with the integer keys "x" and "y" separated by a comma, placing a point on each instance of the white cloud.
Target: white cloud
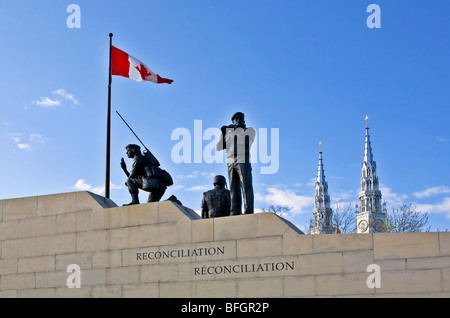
{"x": 23, "y": 146}
{"x": 286, "y": 197}
{"x": 197, "y": 188}
{"x": 197, "y": 174}
{"x": 47, "y": 102}
{"x": 392, "y": 199}
{"x": 60, "y": 95}
{"x": 432, "y": 191}
{"x": 38, "y": 138}
{"x": 64, "y": 94}
{"x": 81, "y": 185}
{"x": 440, "y": 138}
{"x": 33, "y": 138}
{"x": 441, "y": 207}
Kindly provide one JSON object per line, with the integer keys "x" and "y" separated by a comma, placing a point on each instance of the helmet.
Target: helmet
{"x": 238, "y": 114}
{"x": 220, "y": 179}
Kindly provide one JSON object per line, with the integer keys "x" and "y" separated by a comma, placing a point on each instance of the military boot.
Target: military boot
{"x": 134, "y": 199}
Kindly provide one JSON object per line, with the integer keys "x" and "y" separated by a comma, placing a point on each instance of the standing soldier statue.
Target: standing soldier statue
{"x": 237, "y": 140}
{"x": 216, "y": 202}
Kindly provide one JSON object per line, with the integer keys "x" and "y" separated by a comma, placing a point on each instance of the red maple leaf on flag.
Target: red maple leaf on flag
{"x": 144, "y": 71}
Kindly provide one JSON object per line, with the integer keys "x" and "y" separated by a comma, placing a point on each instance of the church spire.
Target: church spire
{"x": 368, "y": 156}
{"x": 322, "y": 211}
{"x": 320, "y": 172}
{"x": 371, "y": 217}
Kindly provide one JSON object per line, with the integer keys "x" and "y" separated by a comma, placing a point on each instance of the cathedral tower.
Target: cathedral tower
{"x": 371, "y": 217}
{"x": 322, "y": 211}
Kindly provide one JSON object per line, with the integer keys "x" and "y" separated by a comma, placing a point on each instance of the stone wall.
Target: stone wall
{"x": 166, "y": 250}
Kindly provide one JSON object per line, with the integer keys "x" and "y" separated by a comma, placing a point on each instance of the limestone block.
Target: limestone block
{"x": 74, "y": 222}
{"x": 202, "y": 230}
{"x": 36, "y": 293}
{"x": 343, "y": 284}
{"x": 52, "y": 279}
{"x": 150, "y": 290}
{"x": 57, "y": 204}
{"x": 271, "y": 224}
{"x": 169, "y": 211}
{"x": 47, "y": 245}
{"x": 341, "y": 242}
{"x": 106, "y": 218}
{"x": 66, "y": 223}
{"x": 158, "y": 234}
{"x": 65, "y": 292}
{"x": 159, "y": 273}
{"x": 122, "y": 275}
{"x": 109, "y": 291}
{"x": 84, "y": 260}
{"x": 235, "y": 227}
{"x": 91, "y": 241}
{"x": 177, "y": 289}
{"x": 185, "y": 232}
{"x": 37, "y": 226}
{"x": 18, "y": 281}
{"x": 10, "y": 249}
{"x": 357, "y": 261}
{"x": 121, "y": 238}
{"x": 326, "y": 263}
{"x": 216, "y": 289}
{"x": 298, "y": 286}
{"x": 405, "y": 245}
{"x": 428, "y": 262}
{"x": 139, "y": 214}
{"x": 446, "y": 279}
{"x": 297, "y": 244}
{"x": 12, "y": 293}
{"x": 260, "y": 247}
{"x": 444, "y": 243}
{"x": 9, "y": 230}
{"x": 17, "y": 209}
{"x": 92, "y": 277}
{"x": 8, "y": 266}
{"x": 107, "y": 259}
{"x": 36, "y": 264}
{"x": 260, "y": 287}
{"x": 410, "y": 281}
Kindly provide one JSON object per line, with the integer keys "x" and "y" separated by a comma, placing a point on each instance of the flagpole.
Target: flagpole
{"x": 108, "y": 125}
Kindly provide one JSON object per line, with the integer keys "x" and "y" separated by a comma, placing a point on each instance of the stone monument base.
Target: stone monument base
{"x": 51, "y": 245}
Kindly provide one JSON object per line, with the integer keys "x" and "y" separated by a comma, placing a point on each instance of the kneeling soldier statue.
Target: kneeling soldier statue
{"x": 143, "y": 175}
{"x": 216, "y": 202}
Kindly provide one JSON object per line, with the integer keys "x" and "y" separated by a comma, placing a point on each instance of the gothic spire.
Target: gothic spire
{"x": 322, "y": 211}
{"x": 371, "y": 217}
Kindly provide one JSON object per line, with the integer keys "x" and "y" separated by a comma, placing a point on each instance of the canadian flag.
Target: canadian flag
{"x": 123, "y": 64}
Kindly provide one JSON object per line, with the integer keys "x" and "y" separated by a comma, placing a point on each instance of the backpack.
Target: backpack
{"x": 165, "y": 177}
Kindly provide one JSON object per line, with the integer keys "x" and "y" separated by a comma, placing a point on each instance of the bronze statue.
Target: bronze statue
{"x": 144, "y": 175}
{"x": 237, "y": 140}
{"x": 216, "y": 202}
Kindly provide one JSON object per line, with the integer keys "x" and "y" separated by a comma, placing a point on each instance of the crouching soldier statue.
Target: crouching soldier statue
{"x": 144, "y": 175}
{"x": 216, "y": 202}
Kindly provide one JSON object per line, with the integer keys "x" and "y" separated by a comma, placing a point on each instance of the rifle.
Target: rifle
{"x": 147, "y": 153}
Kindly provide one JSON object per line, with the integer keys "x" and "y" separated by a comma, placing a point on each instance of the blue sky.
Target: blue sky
{"x": 312, "y": 70}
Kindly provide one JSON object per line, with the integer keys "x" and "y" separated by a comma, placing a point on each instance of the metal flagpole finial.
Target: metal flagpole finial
{"x": 367, "y": 121}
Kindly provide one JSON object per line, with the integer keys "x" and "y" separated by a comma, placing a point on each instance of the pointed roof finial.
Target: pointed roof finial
{"x": 367, "y": 121}
{"x": 320, "y": 146}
